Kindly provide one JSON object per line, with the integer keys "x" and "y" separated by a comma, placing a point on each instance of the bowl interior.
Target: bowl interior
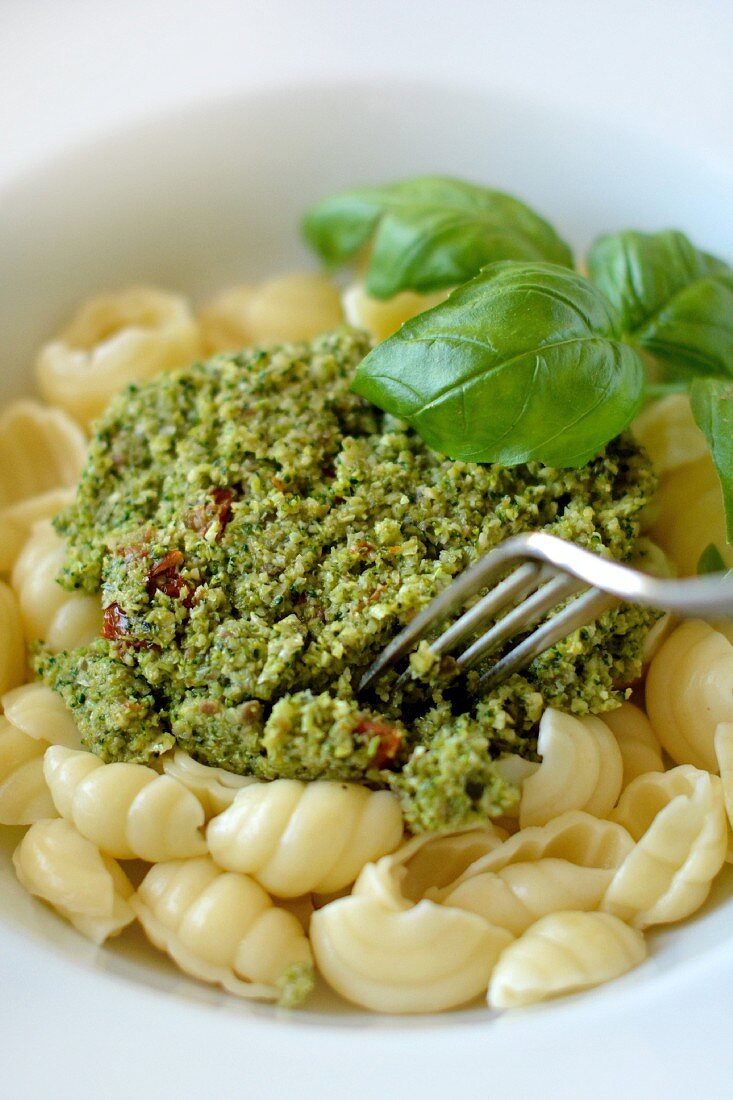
{"x": 212, "y": 195}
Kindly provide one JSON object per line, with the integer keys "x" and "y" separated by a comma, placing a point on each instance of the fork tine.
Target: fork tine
{"x": 472, "y": 580}
{"x": 579, "y": 613}
{"x": 516, "y": 586}
{"x": 521, "y": 618}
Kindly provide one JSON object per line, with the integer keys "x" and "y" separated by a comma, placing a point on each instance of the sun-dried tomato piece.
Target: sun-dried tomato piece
{"x": 116, "y": 627}
{"x": 164, "y": 577}
{"x": 390, "y": 740}
{"x": 216, "y": 511}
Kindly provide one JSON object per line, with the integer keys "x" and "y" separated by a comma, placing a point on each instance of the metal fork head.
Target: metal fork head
{"x": 544, "y": 572}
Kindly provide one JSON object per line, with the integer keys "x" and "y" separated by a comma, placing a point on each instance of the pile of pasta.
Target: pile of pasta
{"x": 250, "y": 885}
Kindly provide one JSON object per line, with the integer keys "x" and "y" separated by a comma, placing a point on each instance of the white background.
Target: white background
{"x": 70, "y": 69}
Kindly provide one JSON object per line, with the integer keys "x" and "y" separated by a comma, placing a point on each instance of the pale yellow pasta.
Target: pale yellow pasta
{"x": 34, "y": 718}
{"x": 678, "y": 821}
{"x": 127, "y": 810}
{"x": 576, "y": 837}
{"x": 298, "y": 837}
{"x": 215, "y": 788}
{"x": 637, "y": 742}
{"x": 382, "y": 952}
{"x": 221, "y": 927}
{"x": 51, "y": 614}
{"x": 519, "y": 894}
{"x": 42, "y": 714}
{"x": 689, "y": 515}
{"x": 112, "y": 340}
{"x": 689, "y": 690}
{"x": 581, "y": 769}
{"x": 41, "y": 449}
{"x": 18, "y": 520}
{"x": 89, "y": 889}
{"x": 426, "y": 864}
{"x": 296, "y": 306}
{"x": 667, "y": 429}
{"x": 380, "y": 317}
{"x": 563, "y": 953}
{"x": 24, "y": 796}
{"x": 12, "y": 641}
{"x": 724, "y": 753}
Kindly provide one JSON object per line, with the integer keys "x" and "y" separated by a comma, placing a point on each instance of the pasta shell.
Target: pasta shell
{"x": 724, "y": 753}
{"x": 298, "y": 837}
{"x": 40, "y": 713}
{"x": 18, "y": 520}
{"x": 689, "y": 691}
{"x": 12, "y": 642}
{"x": 637, "y": 742}
{"x": 382, "y": 318}
{"x": 115, "y": 339}
{"x": 222, "y": 928}
{"x": 61, "y": 619}
{"x": 127, "y": 810}
{"x": 403, "y": 958}
{"x": 41, "y": 450}
{"x": 522, "y": 893}
{"x": 563, "y": 953}
{"x": 678, "y": 821}
{"x": 24, "y": 796}
{"x": 90, "y": 890}
{"x": 576, "y": 836}
{"x": 581, "y": 769}
{"x": 215, "y": 788}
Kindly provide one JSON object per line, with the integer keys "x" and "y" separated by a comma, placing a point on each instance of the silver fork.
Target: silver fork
{"x": 546, "y": 572}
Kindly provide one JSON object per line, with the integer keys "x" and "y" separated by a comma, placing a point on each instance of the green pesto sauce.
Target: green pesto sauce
{"x": 258, "y": 533}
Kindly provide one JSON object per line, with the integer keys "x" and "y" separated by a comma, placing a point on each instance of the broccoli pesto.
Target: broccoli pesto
{"x": 258, "y": 533}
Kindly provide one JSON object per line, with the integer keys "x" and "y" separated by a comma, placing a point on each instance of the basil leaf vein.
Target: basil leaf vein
{"x": 523, "y": 363}
{"x": 675, "y": 301}
{"x": 429, "y": 233}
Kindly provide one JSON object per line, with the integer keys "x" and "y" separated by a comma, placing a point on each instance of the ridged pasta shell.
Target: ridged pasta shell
{"x": 115, "y": 339}
{"x": 689, "y": 691}
{"x": 522, "y": 893}
{"x": 18, "y": 520}
{"x": 298, "y": 837}
{"x": 24, "y": 796}
{"x": 12, "y": 642}
{"x": 563, "y": 953}
{"x": 61, "y": 619}
{"x": 724, "y": 754}
{"x": 41, "y": 449}
{"x": 404, "y": 958}
{"x": 127, "y": 810}
{"x": 222, "y": 928}
{"x": 41, "y": 713}
{"x": 637, "y": 742}
{"x": 90, "y": 890}
{"x": 215, "y": 788}
{"x": 581, "y": 769}
{"x": 678, "y": 821}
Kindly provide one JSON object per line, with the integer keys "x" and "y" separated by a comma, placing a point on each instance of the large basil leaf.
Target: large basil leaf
{"x": 712, "y": 407}
{"x": 524, "y": 362}
{"x": 429, "y": 233}
{"x": 675, "y": 301}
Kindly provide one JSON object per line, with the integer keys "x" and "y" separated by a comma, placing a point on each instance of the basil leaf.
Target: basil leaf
{"x": 429, "y": 233}
{"x": 675, "y": 301}
{"x": 710, "y": 561}
{"x": 524, "y": 362}
{"x": 712, "y": 407}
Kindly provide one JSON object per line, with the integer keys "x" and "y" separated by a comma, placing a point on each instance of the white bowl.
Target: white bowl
{"x": 213, "y": 195}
